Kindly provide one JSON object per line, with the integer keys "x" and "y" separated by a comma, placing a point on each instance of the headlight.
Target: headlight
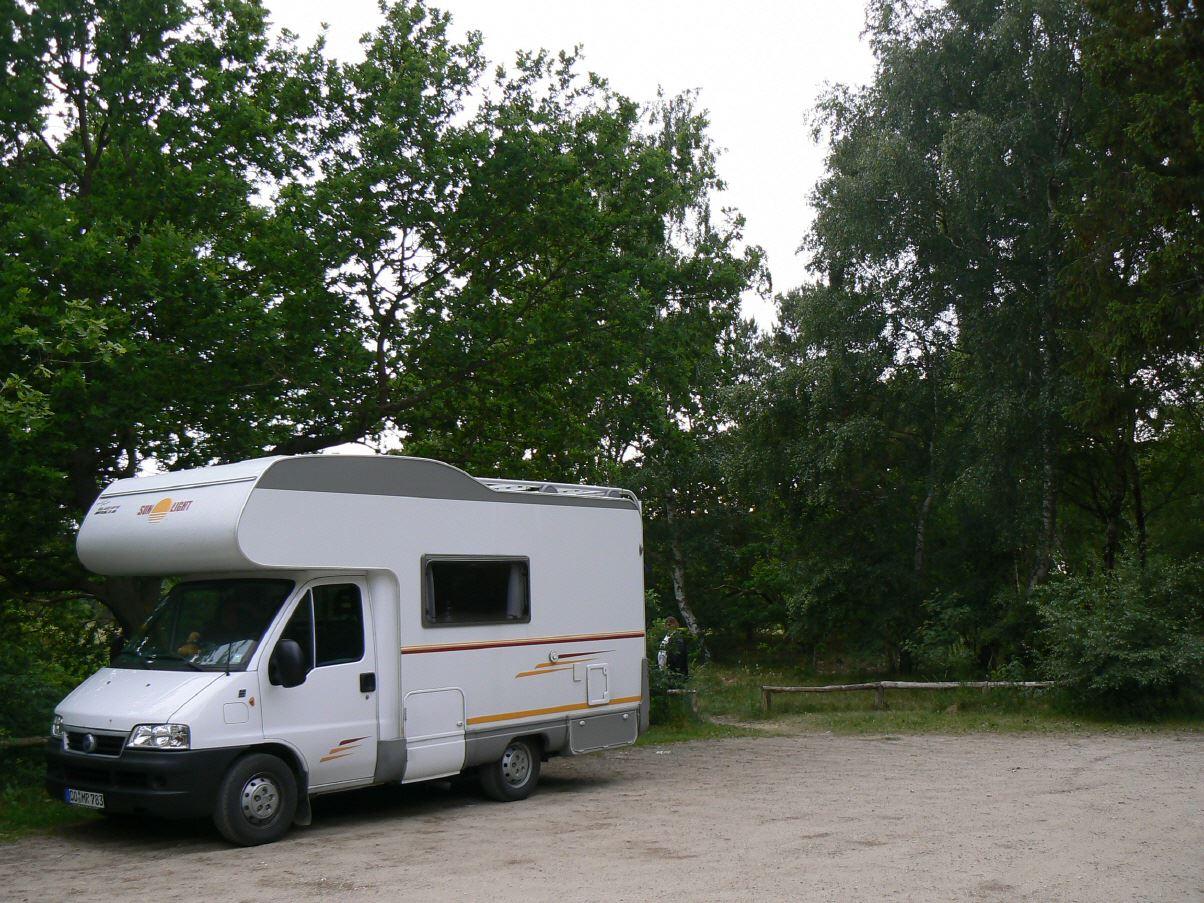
{"x": 159, "y": 736}
{"x": 56, "y": 726}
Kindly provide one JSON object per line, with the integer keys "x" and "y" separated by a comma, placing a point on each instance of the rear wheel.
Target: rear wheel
{"x": 257, "y": 800}
{"x": 515, "y": 774}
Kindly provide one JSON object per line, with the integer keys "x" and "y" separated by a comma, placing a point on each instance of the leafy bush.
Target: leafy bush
{"x": 1129, "y": 641}
{"x": 45, "y": 650}
{"x": 663, "y": 708}
{"x": 939, "y": 649}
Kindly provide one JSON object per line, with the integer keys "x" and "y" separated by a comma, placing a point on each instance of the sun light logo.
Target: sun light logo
{"x": 160, "y": 509}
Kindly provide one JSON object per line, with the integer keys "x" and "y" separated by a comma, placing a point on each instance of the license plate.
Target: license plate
{"x": 85, "y": 798}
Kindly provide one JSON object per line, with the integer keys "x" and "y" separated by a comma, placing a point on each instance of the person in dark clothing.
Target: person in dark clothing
{"x": 674, "y": 652}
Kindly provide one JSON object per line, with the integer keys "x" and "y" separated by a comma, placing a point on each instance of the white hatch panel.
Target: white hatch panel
{"x": 597, "y": 684}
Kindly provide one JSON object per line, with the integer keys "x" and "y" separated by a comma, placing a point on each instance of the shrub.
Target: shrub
{"x": 1128, "y": 641}
{"x": 939, "y": 649}
{"x": 45, "y": 650}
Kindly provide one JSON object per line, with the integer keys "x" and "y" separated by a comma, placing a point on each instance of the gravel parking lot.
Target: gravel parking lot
{"x": 811, "y": 817}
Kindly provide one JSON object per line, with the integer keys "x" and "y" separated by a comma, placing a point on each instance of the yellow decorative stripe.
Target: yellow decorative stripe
{"x": 556, "y": 709}
{"x": 564, "y": 662}
{"x": 338, "y": 755}
{"x": 546, "y": 671}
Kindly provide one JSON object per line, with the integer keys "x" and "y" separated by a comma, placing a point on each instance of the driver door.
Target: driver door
{"x": 331, "y": 717}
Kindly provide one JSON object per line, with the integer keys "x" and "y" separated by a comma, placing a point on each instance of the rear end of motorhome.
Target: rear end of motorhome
{"x": 334, "y": 622}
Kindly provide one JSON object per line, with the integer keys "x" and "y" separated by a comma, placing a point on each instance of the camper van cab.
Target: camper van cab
{"x": 339, "y": 621}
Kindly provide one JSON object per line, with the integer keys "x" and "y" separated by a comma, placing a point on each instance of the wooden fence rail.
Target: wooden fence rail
{"x": 17, "y": 742}
{"x": 881, "y": 686}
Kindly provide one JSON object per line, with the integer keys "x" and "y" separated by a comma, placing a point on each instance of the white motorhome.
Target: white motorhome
{"x": 340, "y": 621}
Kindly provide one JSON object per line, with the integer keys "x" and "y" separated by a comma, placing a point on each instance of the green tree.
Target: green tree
{"x": 134, "y": 140}
{"x": 925, "y": 373}
{"x": 1135, "y": 288}
{"x": 998, "y": 375}
{"x": 234, "y": 246}
{"x": 519, "y": 271}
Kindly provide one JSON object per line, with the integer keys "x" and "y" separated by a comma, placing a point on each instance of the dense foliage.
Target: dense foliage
{"x": 995, "y": 379}
{"x": 970, "y": 445}
{"x": 1131, "y": 638}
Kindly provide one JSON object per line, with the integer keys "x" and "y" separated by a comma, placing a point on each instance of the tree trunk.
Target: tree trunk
{"x": 678, "y": 572}
{"x": 1049, "y": 488}
{"x": 1049, "y": 510}
{"x": 1138, "y": 507}
{"x": 1111, "y": 540}
{"x": 926, "y": 506}
{"x": 131, "y": 599}
{"x": 1115, "y": 510}
{"x": 921, "y": 526}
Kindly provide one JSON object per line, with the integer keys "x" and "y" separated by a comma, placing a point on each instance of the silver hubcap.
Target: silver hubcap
{"x": 516, "y": 765}
{"x": 260, "y": 799}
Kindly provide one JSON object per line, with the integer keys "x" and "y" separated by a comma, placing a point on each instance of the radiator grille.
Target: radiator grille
{"x": 106, "y": 744}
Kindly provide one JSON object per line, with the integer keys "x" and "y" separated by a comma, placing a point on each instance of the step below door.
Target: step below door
{"x": 434, "y": 731}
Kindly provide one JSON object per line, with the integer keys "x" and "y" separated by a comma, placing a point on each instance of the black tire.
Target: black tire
{"x": 515, "y": 774}
{"x": 257, "y": 800}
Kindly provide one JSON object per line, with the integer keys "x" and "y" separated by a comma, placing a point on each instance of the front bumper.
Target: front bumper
{"x": 164, "y": 783}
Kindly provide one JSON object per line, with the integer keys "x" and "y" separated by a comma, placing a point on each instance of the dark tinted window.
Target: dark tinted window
{"x": 329, "y": 625}
{"x": 476, "y": 591}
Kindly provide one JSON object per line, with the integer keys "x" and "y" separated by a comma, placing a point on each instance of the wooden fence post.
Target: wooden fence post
{"x": 765, "y": 693}
{"x": 880, "y": 697}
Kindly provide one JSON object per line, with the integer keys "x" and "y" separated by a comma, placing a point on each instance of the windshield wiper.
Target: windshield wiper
{"x": 171, "y": 657}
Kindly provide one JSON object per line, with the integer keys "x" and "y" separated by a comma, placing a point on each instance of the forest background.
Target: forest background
{"x": 969, "y": 447}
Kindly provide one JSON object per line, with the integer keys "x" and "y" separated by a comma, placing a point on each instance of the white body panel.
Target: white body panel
{"x": 133, "y": 530}
{"x": 118, "y": 698}
{"x": 438, "y": 689}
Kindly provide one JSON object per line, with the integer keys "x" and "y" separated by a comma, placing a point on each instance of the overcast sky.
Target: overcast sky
{"x": 759, "y": 67}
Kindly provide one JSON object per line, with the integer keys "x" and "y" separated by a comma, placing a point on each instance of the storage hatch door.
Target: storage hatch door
{"x": 597, "y": 684}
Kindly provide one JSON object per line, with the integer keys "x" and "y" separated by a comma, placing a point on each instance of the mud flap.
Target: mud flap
{"x": 304, "y": 814}
{"x": 645, "y": 697}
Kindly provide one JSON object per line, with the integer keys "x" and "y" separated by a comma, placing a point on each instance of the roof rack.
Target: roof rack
{"x": 576, "y": 489}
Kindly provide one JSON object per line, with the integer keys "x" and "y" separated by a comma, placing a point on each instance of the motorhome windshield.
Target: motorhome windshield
{"x": 206, "y": 625}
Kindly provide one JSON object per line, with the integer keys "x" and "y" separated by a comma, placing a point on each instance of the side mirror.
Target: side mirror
{"x": 287, "y": 664}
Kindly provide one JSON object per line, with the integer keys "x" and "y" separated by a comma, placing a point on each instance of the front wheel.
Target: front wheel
{"x": 515, "y": 774}
{"x": 257, "y": 800}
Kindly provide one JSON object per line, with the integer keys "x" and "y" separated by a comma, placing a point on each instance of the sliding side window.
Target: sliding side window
{"x": 460, "y": 591}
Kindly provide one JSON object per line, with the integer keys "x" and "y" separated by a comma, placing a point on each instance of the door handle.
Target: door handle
{"x": 368, "y": 682}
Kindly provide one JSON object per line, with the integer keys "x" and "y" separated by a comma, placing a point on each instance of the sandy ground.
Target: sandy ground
{"x": 809, "y": 817}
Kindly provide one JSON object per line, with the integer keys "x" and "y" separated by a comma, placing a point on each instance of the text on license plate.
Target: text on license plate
{"x": 85, "y": 798}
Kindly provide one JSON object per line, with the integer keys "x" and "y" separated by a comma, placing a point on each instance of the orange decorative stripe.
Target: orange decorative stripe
{"x": 556, "y": 709}
{"x": 545, "y": 671}
{"x": 532, "y": 641}
{"x": 343, "y": 749}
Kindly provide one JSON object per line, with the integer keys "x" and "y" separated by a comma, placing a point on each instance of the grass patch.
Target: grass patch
{"x": 24, "y": 806}
{"x": 681, "y": 731}
{"x": 28, "y": 810}
{"x": 734, "y": 693}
